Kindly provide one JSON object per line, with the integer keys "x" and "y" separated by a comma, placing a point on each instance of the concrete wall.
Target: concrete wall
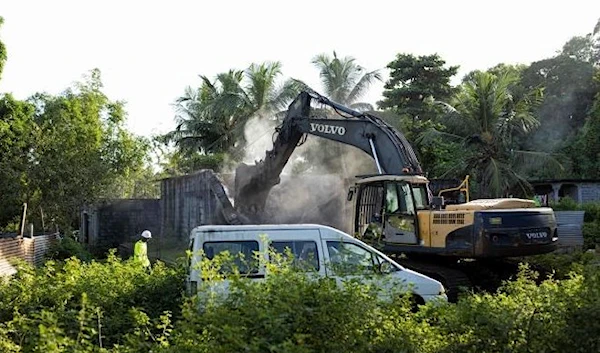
{"x": 187, "y": 202}
{"x": 582, "y": 191}
{"x": 590, "y": 192}
{"x": 110, "y": 223}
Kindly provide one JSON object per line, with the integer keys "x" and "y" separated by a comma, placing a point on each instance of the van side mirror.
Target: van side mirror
{"x": 437, "y": 202}
{"x": 385, "y": 267}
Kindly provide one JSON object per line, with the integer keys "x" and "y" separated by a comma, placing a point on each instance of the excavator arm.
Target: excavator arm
{"x": 388, "y": 147}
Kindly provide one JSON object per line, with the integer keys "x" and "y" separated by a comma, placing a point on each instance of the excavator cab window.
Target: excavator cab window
{"x": 399, "y": 225}
{"x": 421, "y": 196}
{"x": 399, "y": 199}
{"x": 392, "y": 202}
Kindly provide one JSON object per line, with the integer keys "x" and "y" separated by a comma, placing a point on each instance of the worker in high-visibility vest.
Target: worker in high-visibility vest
{"x": 140, "y": 249}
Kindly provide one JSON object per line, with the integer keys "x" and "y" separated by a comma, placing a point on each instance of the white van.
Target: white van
{"x": 320, "y": 247}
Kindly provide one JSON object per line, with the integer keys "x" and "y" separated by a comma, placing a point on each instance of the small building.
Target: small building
{"x": 110, "y": 223}
{"x": 580, "y": 190}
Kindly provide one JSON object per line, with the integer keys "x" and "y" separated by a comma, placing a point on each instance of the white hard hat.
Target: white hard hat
{"x": 146, "y": 234}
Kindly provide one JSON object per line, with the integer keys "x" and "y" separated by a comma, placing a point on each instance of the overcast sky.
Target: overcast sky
{"x": 149, "y": 51}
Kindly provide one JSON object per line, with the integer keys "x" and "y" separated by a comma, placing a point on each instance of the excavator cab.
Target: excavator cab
{"x": 386, "y": 208}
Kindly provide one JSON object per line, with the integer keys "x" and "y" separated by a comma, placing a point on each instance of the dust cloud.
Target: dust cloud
{"x": 258, "y": 134}
{"x": 315, "y": 181}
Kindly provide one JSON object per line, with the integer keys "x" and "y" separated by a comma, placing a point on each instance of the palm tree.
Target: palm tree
{"x": 488, "y": 117}
{"x": 343, "y": 80}
{"x": 211, "y": 119}
{"x": 207, "y": 116}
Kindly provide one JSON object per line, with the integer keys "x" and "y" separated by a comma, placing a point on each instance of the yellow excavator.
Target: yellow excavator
{"x": 395, "y": 209}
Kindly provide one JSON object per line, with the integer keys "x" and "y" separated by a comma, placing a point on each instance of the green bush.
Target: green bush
{"x": 293, "y": 312}
{"x": 526, "y": 317}
{"x": 75, "y": 304}
{"x": 565, "y": 204}
{"x": 562, "y": 265}
{"x": 591, "y": 225}
{"x": 68, "y": 247}
{"x": 117, "y": 306}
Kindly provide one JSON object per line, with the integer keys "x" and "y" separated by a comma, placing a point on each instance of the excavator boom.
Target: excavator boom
{"x": 388, "y": 147}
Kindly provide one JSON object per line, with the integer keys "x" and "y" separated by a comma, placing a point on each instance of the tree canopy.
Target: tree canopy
{"x": 3, "y": 55}
{"x": 62, "y": 152}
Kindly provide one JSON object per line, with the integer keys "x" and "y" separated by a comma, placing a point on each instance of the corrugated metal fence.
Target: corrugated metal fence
{"x": 30, "y": 250}
{"x": 570, "y": 233}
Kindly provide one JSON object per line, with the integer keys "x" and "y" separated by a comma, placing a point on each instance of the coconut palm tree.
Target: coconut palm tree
{"x": 344, "y": 81}
{"x": 488, "y": 117}
{"x": 207, "y": 116}
{"x": 211, "y": 119}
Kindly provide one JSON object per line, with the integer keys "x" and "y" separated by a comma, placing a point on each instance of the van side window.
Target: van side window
{"x": 305, "y": 253}
{"x": 349, "y": 258}
{"x": 242, "y": 253}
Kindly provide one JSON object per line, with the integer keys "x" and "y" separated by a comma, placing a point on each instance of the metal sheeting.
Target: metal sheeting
{"x": 31, "y": 250}
{"x": 187, "y": 202}
{"x": 570, "y": 223}
{"x": 569, "y": 217}
{"x": 10, "y": 249}
{"x": 35, "y": 249}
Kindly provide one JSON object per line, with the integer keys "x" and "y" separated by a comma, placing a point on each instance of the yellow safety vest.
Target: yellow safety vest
{"x": 140, "y": 253}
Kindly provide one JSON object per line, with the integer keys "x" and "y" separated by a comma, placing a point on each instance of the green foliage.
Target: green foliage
{"x": 66, "y": 248}
{"x": 562, "y": 265}
{"x": 569, "y": 90}
{"x": 3, "y": 55}
{"x": 526, "y": 317}
{"x": 180, "y": 164}
{"x": 60, "y": 152}
{"x": 414, "y": 80}
{"x": 293, "y": 312}
{"x": 79, "y": 307}
{"x": 116, "y": 306}
{"x": 17, "y": 138}
{"x": 488, "y": 116}
{"x": 411, "y": 93}
{"x": 591, "y": 234}
{"x": 83, "y": 151}
{"x": 212, "y": 118}
{"x": 581, "y": 49}
{"x": 565, "y": 204}
{"x": 585, "y": 151}
{"x": 591, "y": 225}
{"x": 343, "y": 80}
